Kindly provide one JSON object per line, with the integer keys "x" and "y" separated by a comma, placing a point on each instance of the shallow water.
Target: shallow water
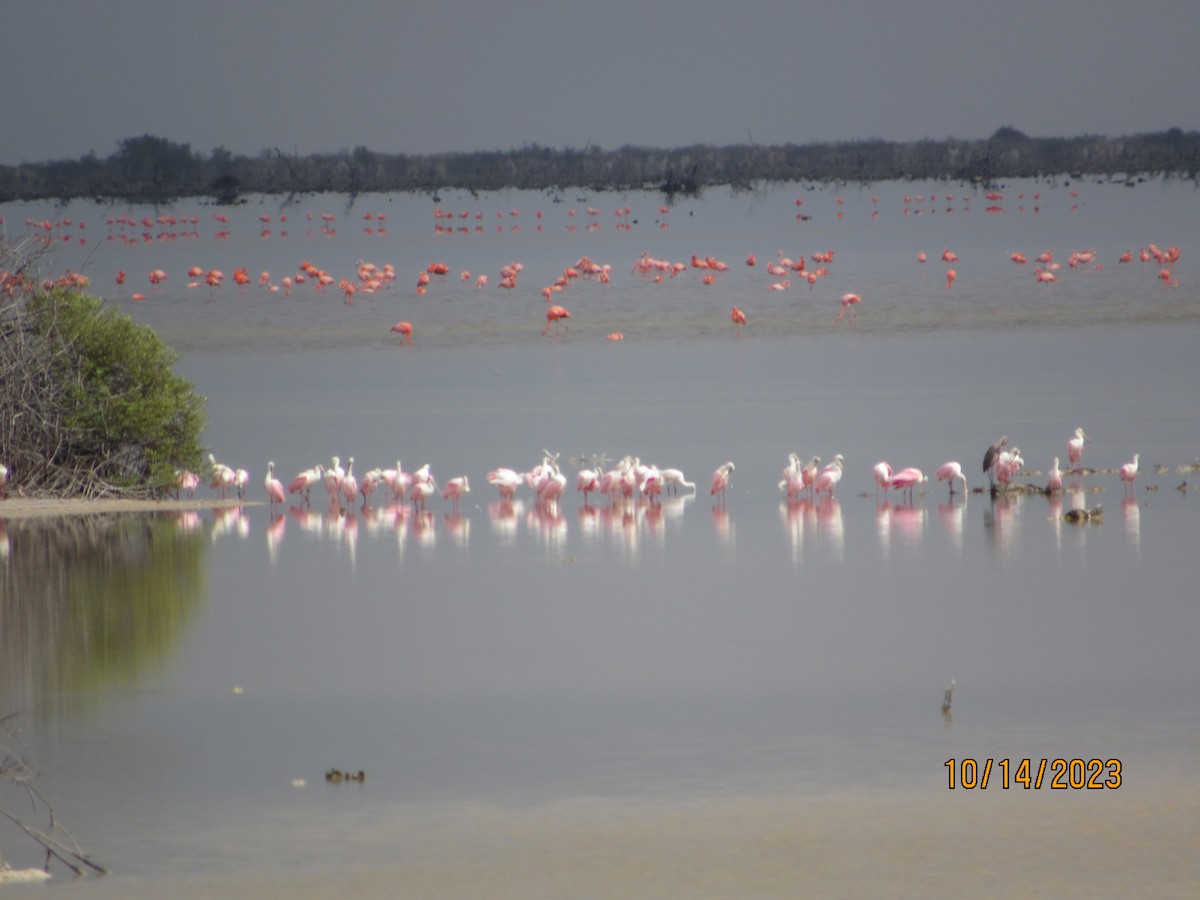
{"x": 737, "y": 699}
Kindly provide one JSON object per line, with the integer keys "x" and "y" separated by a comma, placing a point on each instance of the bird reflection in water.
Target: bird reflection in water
{"x": 458, "y": 527}
{"x": 1000, "y": 523}
{"x": 1132, "y": 515}
{"x": 952, "y": 516}
{"x": 504, "y": 518}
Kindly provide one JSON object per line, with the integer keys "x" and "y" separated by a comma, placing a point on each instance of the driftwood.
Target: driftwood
{"x": 53, "y": 838}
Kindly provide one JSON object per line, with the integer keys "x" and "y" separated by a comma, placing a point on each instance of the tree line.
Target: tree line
{"x": 151, "y": 169}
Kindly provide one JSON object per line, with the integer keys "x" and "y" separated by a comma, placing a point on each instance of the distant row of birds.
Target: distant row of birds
{"x": 627, "y": 479}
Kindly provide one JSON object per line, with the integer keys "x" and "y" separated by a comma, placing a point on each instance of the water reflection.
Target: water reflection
{"x": 1132, "y": 515}
{"x": 952, "y": 516}
{"x": 86, "y": 601}
{"x": 1000, "y": 523}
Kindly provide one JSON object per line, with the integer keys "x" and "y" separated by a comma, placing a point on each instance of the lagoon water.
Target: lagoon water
{"x": 697, "y": 699}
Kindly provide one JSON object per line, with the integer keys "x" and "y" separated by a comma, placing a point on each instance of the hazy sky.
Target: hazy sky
{"x": 445, "y": 75}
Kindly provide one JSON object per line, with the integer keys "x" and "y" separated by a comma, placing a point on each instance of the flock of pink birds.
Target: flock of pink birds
{"x": 369, "y": 278}
{"x": 628, "y": 480}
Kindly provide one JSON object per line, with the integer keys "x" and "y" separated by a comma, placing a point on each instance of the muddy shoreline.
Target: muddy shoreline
{"x": 28, "y": 507}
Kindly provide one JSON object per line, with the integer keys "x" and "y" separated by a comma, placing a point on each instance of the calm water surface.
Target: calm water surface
{"x": 688, "y": 699}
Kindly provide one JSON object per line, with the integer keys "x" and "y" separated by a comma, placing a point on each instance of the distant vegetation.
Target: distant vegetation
{"x": 151, "y": 169}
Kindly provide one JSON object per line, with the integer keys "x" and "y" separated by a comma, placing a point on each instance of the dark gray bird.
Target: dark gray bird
{"x": 990, "y": 457}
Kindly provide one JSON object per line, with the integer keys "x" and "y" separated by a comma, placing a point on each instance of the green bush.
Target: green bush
{"x": 91, "y": 405}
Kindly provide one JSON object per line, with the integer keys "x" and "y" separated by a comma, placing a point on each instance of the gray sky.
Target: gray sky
{"x": 308, "y": 77}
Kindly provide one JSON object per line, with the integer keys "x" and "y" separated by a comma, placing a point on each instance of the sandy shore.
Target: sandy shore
{"x": 28, "y": 507}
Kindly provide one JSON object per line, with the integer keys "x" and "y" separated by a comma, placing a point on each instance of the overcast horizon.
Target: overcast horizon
{"x": 466, "y": 76}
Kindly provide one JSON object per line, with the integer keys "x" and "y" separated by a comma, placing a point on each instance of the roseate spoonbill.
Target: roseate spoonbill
{"x": 989, "y": 458}
{"x": 951, "y": 275}
{"x": 302, "y": 482}
{"x": 186, "y": 480}
{"x": 454, "y": 489}
{"x": 1129, "y": 473}
{"x": 273, "y": 486}
{"x": 333, "y": 480}
{"x": 830, "y": 476}
{"x": 349, "y": 484}
{"x": 587, "y": 480}
{"x": 1008, "y": 464}
{"x": 553, "y": 315}
{"x": 241, "y": 478}
{"x": 367, "y": 486}
{"x": 883, "y": 478}
{"x": 952, "y": 472}
{"x": 222, "y": 477}
{"x": 404, "y": 329}
{"x": 396, "y": 479}
{"x": 907, "y": 479}
{"x": 420, "y": 492}
{"x": 673, "y": 478}
{"x": 720, "y": 480}
{"x": 507, "y": 481}
{"x": 809, "y": 476}
{"x": 1075, "y": 447}
{"x": 550, "y": 488}
{"x": 1054, "y": 485}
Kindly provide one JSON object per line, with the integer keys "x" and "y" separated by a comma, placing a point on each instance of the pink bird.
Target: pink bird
{"x": 1054, "y": 485}
{"x": 652, "y": 487}
{"x": 273, "y": 486}
{"x": 1075, "y": 447}
{"x": 550, "y": 489}
{"x": 185, "y": 480}
{"x": 720, "y": 481}
{"x": 809, "y": 476}
{"x": 420, "y": 492}
{"x": 369, "y": 483}
{"x": 241, "y": 478}
{"x": 397, "y": 481}
{"x": 952, "y": 472}
{"x": 302, "y": 483}
{"x": 883, "y": 478}
{"x": 906, "y": 480}
{"x": 1129, "y": 473}
{"x": 506, "y": 481}
{"x": 223, "y": 477}
{"x": 553, "y": 316}
{"x": 830, "y": 476}
{"x": 587, "y": 480}
{"x": 349, "y": 485}
{"x": 454, "y": 490}
{"x": 1008, "y": 465}
{"x": 404, "y": 329}
{"x": 849, "y": 301}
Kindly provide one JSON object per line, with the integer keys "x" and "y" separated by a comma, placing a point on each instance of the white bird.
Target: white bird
{"x": 1055, "y": 482}
{"x": 673, "y": 478}
{"x": 952, "y": 472}
{"x": 273, "y": 486}
{"x": 1075, "y": 447}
